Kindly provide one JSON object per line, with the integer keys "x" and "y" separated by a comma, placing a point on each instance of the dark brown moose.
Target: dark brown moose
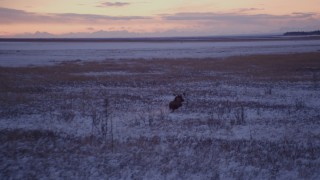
{"x": 176, "y": 103}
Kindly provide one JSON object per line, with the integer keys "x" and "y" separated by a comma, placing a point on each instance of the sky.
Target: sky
{"x": 155, "y": 18}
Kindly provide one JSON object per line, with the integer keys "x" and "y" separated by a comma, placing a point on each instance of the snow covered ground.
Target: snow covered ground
{"x": 44, "y": 53}
{"x": 246, "y": 117}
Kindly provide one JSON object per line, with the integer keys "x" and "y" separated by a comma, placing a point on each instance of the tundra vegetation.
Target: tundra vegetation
{"x": 248, "y": 117}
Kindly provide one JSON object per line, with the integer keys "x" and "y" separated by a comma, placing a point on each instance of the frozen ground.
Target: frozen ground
{"x": 44, "y": 53}
{"x": 248, "y": 117}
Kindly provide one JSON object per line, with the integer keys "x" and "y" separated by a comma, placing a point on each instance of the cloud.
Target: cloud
{"x": 238, "y": 18}
{"x": 37, "y": 34}
{"x": 74, "y": 17}
{"x": 242, "y": 10}
{"x": 4, "y": 33}
{"x": 102, "y": 34}
{"x": 114, "y": 4}
{"x": 90, "y": 28}
{"x": 304, "y": 15}
{"x": 12, "y": 16}
{"x": 243, "y": 23}
{"x": 96, "y": 34}
{"x": 178, "y": 24}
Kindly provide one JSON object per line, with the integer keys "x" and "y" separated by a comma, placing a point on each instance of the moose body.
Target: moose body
{"x": 176, "y": 103}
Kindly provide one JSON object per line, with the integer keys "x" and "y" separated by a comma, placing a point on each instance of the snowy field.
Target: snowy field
{"x": 45, "y": 53}
{"x": 244, "y": 117}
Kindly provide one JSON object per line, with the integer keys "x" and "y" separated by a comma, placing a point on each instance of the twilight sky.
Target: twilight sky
{"x": 138, "y": 18}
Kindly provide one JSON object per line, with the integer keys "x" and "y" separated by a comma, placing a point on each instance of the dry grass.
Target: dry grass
{"x": 167, "y": 75}
{"x": 257, "y": 67}
{"x": 222, "y": 95}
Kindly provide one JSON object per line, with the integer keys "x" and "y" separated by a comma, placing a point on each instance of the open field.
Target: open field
{"x": 42, "y": 52}
{"x": 244, "y": 117}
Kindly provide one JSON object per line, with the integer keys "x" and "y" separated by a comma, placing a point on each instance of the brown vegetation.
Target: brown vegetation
{"x": 121, "y": 110}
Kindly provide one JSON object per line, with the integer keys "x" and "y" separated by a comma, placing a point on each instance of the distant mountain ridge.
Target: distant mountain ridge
{"x": 302, "y": 33}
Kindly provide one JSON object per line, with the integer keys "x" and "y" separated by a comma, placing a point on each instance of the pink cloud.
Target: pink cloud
{"x": 114, "y": 4}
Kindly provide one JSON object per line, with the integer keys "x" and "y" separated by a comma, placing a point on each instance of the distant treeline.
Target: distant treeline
{"x": 302, "y": 33}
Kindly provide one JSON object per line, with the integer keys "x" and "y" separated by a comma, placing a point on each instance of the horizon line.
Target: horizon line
{"x": 217, "y": 38}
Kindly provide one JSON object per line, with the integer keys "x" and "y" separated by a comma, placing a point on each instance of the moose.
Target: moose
{"x": 177, "y": 102}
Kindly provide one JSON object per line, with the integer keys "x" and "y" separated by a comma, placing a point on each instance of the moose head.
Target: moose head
{"x": 176, "y": 103}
